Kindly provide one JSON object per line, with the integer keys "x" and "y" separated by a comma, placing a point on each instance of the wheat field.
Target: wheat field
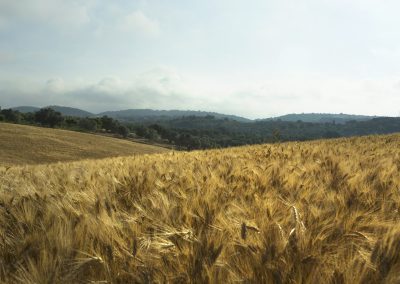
{"x": 314, "y": 212}
{"x": 23, "y": 144}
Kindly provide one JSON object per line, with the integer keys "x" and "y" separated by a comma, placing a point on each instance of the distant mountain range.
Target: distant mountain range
{"x": 70, "y": 111}
{"x": 149, "y": 115}
{"x": 25, "y": 109}
{"x": 322, "y": 117}
{"x": 134, "y": 114}
{"x": 66, "y": 111}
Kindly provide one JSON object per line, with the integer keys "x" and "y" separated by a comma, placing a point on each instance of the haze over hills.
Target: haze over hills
{"x": 150, "y": 114}
{"x": 67, "y": 111}
{"x": 133, "y": 114}
{"x": 322, "y": 117}
{"x": 204, "y": 130}
{"x": 140, "y": 114}
{"x": 25, "y": 109}
{"x": 70, "y": 111}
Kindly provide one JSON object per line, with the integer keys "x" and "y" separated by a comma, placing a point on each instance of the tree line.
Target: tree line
{"x": 48, "y": 117}
{"x": 153, "y": 132}
{"x": 205, "y": 132}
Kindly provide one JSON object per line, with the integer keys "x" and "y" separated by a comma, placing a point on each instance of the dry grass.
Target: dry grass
{"x": 316, "y": 212}
{"x": 21, "y": 144}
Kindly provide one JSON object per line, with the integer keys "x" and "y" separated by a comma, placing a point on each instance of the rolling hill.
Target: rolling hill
{"x": 322, "y": 117}
{"x": 66, "y": 111}
{"x": 325, "y": 211}
{"x": 21, "y": 144}
{"x": 204, "y": 130}
{"x": 70, "y": 111}
{"x": 25, "y": 109}
{"x": 149, "y": 114}
{"x": 140, "y": 115}
{"x": 133, "y": 114}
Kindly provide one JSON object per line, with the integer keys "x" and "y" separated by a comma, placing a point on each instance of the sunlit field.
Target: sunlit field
{"x": 23, "y": 144}
{"x": 314, "y": 212}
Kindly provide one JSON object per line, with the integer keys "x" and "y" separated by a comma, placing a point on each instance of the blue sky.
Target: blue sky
{"x": 255, "y": 58}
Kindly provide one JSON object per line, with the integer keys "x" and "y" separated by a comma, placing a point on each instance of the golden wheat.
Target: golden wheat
{"x": 314, "y": 212}
{"x": 23, "y": 144}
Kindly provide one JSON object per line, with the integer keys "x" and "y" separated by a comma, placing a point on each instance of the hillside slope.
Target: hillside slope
{"x": 153, "y": 115}
{"x": 315, "y": 212}
{"x": 21, "y": 144}
{"x": 70, "y": 111}
{"x": 322, "y": 117}
{"x": 66, "y": 111}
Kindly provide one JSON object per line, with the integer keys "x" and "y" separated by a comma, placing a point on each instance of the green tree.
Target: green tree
{"x": 123, "y": 131}
{"x": 48, "y": 116}
{"x": 71, "y": 121}
{"x": 109, "y": 124}
{"x": 152, "y": 134}
{"x": 28, "y": 117}
{"x": 10, "y": 115}
{"x": 87, "y": 124}
{"x": 141, "y": 131}
{"x": 276, "y": 135}
{"x": 331, "y": 134}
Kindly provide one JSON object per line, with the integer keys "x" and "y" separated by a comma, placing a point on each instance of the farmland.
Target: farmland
{"x": 22, "y": 144}
{"x": 325, "y": 211}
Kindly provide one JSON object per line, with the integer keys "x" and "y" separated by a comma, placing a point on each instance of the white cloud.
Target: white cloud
{"x": 139, "y": 22}
{"x": 55, "y": 85}
{"x": 163, "y": 79}
{"x": 164, "y": 88}
{"x": 108, "y": 85}
{"x": 242, "y": 59}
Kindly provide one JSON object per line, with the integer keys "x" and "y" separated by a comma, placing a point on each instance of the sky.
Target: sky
{"x": 257, "y": 59}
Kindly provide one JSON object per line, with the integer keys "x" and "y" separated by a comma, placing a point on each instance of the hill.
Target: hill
{"x": 205, "y": 131}
{"x": 70, "y": 111}
{"x": 66, "y": 111}
{"x": 149, "y": 114}
{"x": 208, "y": 132}
{"x": 21, "y": 144}
{"x": 146, "y": 115}
{"x": 25, "y": 109}
{"x": 134, "y": 114}
{"x": 316, "y": 212}
{"x": 322, "y": 117}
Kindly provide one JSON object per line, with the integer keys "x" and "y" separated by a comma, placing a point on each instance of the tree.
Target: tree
{"x": 11, "y": 115}
{"x": 140, "y": 131}
{"x": 28, "y": 117}
{"x": 331, "y": 134}
{"x": 87, "y": 124}
{"x": 123, "y": 131}
{"x": 152, "y": 134}
{"x": 48, "y": 116}
{"x": 276, "y": 135}
{"x": 108, "y": 123}
{"x": 71, "y": 121}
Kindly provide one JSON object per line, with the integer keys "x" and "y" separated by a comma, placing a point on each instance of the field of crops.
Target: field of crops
{"x": 23, "y": 144}
{"x": 312, "y": 212}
